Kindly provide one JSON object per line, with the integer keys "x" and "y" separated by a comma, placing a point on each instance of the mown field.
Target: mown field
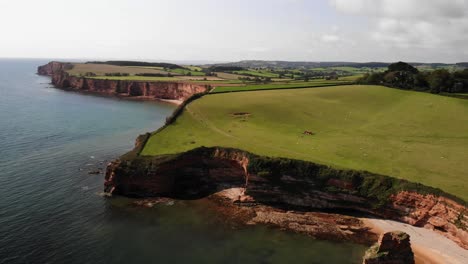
{"x": 213, "y": 81}
{"x": 258, "y": 73}
{"x": 284, "y": 85}
{"x": 187, "y": 72}
{"x": 349, "y": 69}
{"x": 102, "y": 69}
{"x": 416, "y": 136}
{"x": 222, "y": 80}
{"x": 137, "y": 78}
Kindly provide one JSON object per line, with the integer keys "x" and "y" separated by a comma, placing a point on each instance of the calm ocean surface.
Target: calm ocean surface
{"x": 51, "y": 210}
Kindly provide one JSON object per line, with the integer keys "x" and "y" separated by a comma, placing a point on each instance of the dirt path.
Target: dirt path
{"x": 202, "y": 119}
{"x": 428, "y": 246}
{"x": 198, "y": 116}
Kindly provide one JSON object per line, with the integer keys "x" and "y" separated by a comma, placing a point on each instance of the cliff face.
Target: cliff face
{"x": 283, "y": 183}
{"x": 141, "y": 89}
{"x": 53, "y": 67}
{"x": 188, "y": 176}
{"x": 433, "y": 212}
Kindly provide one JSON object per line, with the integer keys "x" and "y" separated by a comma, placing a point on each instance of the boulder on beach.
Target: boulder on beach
{"x": 392, "y": 248}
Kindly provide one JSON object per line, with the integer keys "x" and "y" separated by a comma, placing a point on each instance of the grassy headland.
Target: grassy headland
{"x": 416, "y": 136}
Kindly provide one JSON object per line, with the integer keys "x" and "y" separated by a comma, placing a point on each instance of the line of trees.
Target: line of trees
{"x": 255, "y": 79}
{"x": 403, "y": 75}
{"x": 154, "y": 74}
{"x": 221, "y": 68}
{"x": 117, "y": 74}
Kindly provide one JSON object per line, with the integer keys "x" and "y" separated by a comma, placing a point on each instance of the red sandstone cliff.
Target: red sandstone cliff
{"x": 140, "y": 89}
{"x": 433, "y": 212}
{"x": 205, "y": 171}
{"x": 53, "y": 67}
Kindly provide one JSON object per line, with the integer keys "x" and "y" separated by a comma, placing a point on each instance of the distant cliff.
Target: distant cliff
{"x": 54, "y": 67}
{"x": 135, "y": 89}
{"x": 286, "y": 183}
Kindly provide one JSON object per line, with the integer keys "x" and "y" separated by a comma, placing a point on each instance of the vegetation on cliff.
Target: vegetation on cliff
{"x": 308, "y": 176}
{"x": 415, "y": 136}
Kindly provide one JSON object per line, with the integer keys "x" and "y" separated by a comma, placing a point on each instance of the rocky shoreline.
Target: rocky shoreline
{"x": 288, "y": 185}
{"x": 319, "y": 225}
{"x": 428, "y": 246}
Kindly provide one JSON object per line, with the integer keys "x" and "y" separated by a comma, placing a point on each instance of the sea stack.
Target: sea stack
{"x": 392, "y": 248}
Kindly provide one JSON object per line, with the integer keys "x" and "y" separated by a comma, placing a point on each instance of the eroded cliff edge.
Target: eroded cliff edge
{"x": 123, "y": 88}
{"x": 286, "y": 184}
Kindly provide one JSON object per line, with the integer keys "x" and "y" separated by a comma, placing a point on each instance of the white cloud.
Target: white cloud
{"x": 440, "y": 25}
{"x": 330, "y": 38}
{"x": 258, "y": 49}
{"x": 353, "y": 30}
{"x": 415, "y": 9}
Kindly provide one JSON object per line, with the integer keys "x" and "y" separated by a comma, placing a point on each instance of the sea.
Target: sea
{"x": 53, "y": 211}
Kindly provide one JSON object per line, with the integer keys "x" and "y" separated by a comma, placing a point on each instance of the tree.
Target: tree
{"x": 402, "y": 66}
{"x": 461, "y": 74}
{"x": 420, "y": 80}
{"x": 440, "y": 81}
{"x": 376, "y": 78}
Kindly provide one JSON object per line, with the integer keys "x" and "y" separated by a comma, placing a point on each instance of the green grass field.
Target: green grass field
{"x": 346, "y": 69}
{"x": 349, "y": 69}
{"x": 263, "y": 73}
{"x": 146, "y": 67}
{"x": 272, "y": 86}
{"x": 187, "y": 72}
{"x": 196, "y": 79}
{"x": 229, "y": 76}
{"x": 101, "y": 69}
{"x": 193, "y": 68}
{"x": 137, "y": 78}
{"x": 351, "y": 78}
{"x": 416, "y": 136}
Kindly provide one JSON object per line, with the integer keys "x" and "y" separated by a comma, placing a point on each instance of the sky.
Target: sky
{"x": 233, "y": 30}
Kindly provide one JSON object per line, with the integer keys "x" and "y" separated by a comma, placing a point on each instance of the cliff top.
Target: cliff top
{"x": 356, "y": 127}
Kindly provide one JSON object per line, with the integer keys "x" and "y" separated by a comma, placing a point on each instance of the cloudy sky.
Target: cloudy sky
{"x": 306, "y": 30}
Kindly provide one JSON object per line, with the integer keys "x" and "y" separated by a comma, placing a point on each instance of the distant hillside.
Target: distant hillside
{"x": 309, "y": 64}
{"x": 299, "y": 64}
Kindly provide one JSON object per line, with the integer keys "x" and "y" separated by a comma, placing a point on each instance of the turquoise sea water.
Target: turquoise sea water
{"x": 51, "y": 210}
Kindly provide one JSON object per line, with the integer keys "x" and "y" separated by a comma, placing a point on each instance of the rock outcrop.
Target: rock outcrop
{"x": 54, "y": 67}
{"x": 392, "y": 248}
{"x": 123, "y": 88}
{"x": 287, "y": 184}
{"x": 433, "y": 212}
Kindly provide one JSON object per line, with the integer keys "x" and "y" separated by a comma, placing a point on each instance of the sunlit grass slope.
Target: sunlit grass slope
{"x": 417, "y": 136}
{"x": 272, "y": 86}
